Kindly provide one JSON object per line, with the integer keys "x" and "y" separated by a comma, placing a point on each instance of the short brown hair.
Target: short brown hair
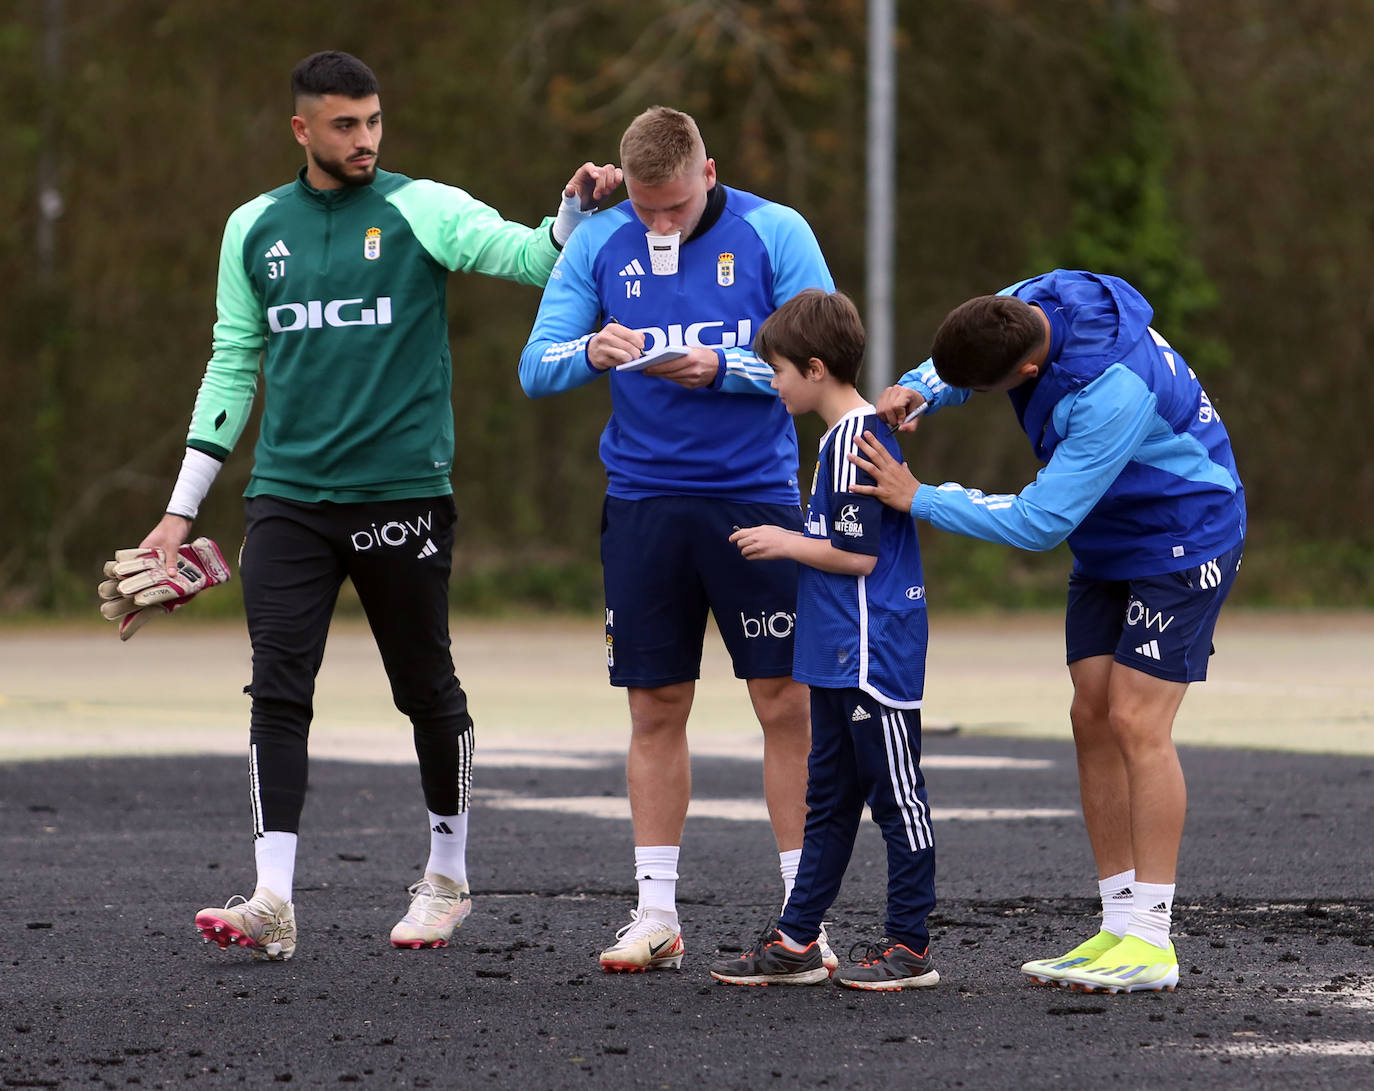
{"x": 660, "y": 144}
{"x": 982, "y": 341}
{"x": 825, "y": 325}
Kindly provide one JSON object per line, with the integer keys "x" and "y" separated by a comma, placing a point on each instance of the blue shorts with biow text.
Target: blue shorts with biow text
{"x": 667, "y": 562}
{"x": 1160, "y": 625}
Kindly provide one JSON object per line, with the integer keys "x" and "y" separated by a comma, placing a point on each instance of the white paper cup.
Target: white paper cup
{"x": 663, "y": 253}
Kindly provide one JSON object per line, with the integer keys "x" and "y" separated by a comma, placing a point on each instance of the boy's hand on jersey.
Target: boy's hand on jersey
{"x": 765, "y": 543}
{"x": 697, "y": 369}
{"x": 894, "y": 483}
{"x": 614, "y": 345}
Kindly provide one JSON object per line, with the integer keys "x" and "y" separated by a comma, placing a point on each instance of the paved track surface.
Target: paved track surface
{"x": 104, "y": 982}
{"x": 107, "y": 984}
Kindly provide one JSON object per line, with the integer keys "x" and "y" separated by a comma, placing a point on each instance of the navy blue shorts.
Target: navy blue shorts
{"x": 667, "y": 561}
{"x": 1160, "y": 625}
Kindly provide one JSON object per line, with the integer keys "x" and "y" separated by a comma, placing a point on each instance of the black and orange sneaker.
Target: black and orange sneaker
{"x": 887, "y": 966}
{"x": 772, "y": 962}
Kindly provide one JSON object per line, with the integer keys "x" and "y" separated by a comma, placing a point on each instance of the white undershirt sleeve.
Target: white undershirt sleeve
{"x": 198, "y": 472}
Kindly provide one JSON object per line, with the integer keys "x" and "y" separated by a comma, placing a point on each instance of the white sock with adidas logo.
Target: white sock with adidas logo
{"x": 1118, "y": 899}
{"x": 1152, "y": 916}
{"x": 448, "y": 846}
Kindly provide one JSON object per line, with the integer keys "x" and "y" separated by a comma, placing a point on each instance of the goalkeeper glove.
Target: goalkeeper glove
{"x": 139, "y": 588}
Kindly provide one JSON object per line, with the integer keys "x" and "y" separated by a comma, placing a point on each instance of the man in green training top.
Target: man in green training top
{"x": 336, "y": 283}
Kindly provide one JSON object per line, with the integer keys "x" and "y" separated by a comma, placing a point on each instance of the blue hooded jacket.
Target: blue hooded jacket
{"x": 1140, "y": 477}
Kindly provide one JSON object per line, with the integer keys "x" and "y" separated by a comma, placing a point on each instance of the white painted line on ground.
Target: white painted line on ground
{"x": 543, "y": 759}
{"x": 999, "y": 814}
{"x": 1355, "y": 998}
{"x": 1359, "y": 997}
{"x": 739, "y": 810}
{"x": 566, "y": 759}
{"x": 1295, "y": 1049}
{"x": 973, "y": 761}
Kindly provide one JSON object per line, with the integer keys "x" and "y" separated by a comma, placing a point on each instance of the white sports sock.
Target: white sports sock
{"x": 275, "y": 853}
{"x": 1153, "y": 914}
{"x": 656, "y": 872}
{"x": 787, "y": 864}
{"x": 448, "y": 846}
{"x": 1118, "y": 898}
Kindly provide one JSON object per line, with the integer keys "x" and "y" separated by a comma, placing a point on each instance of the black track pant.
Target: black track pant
{"x": 398, "y": 555}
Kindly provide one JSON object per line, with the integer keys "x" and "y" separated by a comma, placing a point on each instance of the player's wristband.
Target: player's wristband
{"x": 198, "y": 472}
{"x": 570, "y": 214}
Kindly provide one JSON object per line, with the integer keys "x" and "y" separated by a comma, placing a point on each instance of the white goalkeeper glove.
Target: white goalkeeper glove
{"x": 139, "y": 587}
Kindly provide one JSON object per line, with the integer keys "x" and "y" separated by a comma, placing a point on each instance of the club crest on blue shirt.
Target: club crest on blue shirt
{"x": 725, "y": 269}
{"x": 372, "y": 243}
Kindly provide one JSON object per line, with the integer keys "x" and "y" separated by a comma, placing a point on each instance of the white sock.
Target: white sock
{"x": 787, "y": 864}
{"x": 448, "y": 846}
{"x": 275, "y": 853}
{"x": 1153, "y": 914}
{"x": 1118, "y": 898}
{"x": 656, "y": 872}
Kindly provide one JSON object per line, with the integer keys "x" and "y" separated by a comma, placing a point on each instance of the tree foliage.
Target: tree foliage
{"x": 1216, "y": 154}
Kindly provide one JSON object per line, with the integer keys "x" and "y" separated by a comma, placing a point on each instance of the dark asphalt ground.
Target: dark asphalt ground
{"x": 105, "y": 983}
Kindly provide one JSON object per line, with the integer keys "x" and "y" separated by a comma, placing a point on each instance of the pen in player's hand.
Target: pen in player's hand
{"x": 910, "y": 416}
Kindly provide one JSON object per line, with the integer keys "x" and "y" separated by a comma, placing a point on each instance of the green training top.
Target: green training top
{"x": 342, "y": 296}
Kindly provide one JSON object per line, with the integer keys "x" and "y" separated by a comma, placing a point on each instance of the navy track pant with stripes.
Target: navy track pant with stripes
{"x": 863, "y": 751}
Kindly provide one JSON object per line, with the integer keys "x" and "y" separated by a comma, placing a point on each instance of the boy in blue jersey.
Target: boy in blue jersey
{"x": 695, "y": 447}
{"x": 1141, "y": 481}
{"x": 860, "y": 645}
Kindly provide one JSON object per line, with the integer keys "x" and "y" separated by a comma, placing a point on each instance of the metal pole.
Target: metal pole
{"x": 881, "y": 189}
{"x": 49, "y": 195}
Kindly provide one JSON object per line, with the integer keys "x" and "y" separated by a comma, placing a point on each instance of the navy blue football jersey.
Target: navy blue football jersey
{"x": 865, "y": 632}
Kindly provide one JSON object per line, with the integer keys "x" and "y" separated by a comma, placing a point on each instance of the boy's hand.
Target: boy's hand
{"x": 765, "y": 543}
{"x": 894, "y": 483}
